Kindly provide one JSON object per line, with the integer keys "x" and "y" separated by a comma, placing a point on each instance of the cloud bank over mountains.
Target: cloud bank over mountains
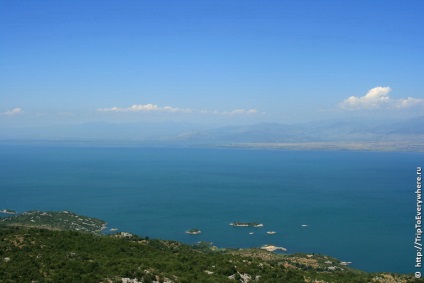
{"x": 145, "y": 108}
{"x": 378, "y": 98}
{"x": 170, "y": 109}
{"x": 15, "y": 111}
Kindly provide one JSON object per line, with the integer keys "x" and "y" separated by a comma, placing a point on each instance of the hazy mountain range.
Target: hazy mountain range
{"x": 352, "y": 131}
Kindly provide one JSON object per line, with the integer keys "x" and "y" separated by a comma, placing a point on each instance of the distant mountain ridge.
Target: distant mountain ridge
{"x": 329, "y": 131}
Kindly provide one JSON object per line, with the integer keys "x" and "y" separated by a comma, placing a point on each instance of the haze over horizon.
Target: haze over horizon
{"x": 209, "y": 63}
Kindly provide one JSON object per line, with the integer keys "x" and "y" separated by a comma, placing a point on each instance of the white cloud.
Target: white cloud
{"x": 378, "y": 98}
{"x": 409, "y": 102}
{"x": 375, "y": 98}
{"x": 156, "y": 108}
{"x": 15, "y": 111}
{"x": 240, "y": 112}
{"x": 145, "y": 108}
{"x": 230, "y": 113}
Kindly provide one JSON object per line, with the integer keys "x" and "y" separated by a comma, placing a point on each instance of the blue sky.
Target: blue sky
{"x": 225, "y": 62}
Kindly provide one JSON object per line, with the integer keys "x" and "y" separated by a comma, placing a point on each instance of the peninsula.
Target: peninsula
{"x": 63, "y": 220}
{"x": 7, "y": 211}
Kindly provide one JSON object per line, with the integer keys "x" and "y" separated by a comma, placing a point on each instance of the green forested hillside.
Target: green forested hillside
{"x": 30, "y": 254}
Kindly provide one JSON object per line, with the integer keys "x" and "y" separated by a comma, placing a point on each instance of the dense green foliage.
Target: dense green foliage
{"x": 42, "y": 255}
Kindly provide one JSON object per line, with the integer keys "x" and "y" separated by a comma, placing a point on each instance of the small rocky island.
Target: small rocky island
{"x": 63, "y": 220}
{"x": 272, "y": 248}
{"x": 246, "y": 224}
{"x": 193, "y": 232}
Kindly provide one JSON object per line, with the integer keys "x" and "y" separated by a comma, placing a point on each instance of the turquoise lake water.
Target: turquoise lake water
{"x": 359, "y": 206}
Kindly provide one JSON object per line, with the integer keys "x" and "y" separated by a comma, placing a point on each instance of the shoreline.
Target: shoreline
{"x": 8, "y": 211}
